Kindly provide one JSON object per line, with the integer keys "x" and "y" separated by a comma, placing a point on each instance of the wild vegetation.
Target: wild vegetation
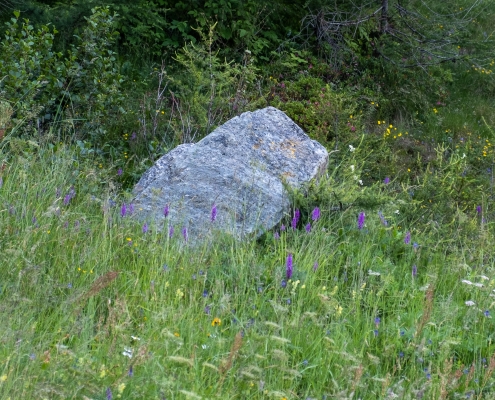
{"x": 379, "y": 283}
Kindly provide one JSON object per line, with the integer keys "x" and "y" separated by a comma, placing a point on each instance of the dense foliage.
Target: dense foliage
{"x": 380, "y": 288}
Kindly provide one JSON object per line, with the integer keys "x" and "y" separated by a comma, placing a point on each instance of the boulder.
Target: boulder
{"x": 239, "y": 169}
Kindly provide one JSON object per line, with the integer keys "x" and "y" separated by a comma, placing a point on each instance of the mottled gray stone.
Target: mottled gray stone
{"x": 241, "y": 167}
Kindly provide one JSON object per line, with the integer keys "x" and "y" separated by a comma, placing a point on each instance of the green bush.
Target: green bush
{"x": 80, "y": 92}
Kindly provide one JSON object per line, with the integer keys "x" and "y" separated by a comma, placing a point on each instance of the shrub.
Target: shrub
{"x": 82, "y": 90}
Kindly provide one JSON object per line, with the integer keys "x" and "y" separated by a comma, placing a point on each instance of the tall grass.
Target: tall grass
{"x": 93, "y": 307}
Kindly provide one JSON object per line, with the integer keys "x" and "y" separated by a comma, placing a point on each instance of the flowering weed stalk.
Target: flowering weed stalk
{"x": 289, "y": 267}
{"x": 361, "y": 219}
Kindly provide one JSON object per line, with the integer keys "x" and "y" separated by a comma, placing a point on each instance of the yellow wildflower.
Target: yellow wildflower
{"x": 121, "y": 388}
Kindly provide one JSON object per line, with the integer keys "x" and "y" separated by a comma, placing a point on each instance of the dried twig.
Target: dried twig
{"x": 227, "y": 364}
{"x": 427, "y": 310}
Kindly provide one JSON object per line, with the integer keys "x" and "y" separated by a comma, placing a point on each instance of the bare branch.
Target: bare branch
{"x": 402, "y": 34}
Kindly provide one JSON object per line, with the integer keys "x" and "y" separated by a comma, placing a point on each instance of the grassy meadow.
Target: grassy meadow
{"x": 387, "y": 296}
{"x": 378, "y": 284}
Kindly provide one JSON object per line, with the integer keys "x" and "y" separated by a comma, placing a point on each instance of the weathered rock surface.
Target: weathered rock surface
{"x": 239, "y": 168}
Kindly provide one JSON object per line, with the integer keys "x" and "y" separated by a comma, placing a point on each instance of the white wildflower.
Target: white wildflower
{"x": 484, "y": 277}
{"x": 351, "y": 148}
{"x": 478, "y": 284}
{"x": 352, "y": 168}
{"x": 127, "y": 352}
{"x": 373, "y": 273}
{"x": 360, "y": 182}
{"x": 467, "y": 282}
{"x": 397, "y": 212}
{"x": 470, "y": 303}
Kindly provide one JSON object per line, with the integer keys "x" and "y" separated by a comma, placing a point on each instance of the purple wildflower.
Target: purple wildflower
{"x": 486, "y": 313}
{"x": 145, "y": 228}
{"x": 109, "y": 394}
{"x": 375, "y": 332}
{"x": 131, "y": 208}
{"x": 184, "y": 233}
{"x": 407, "y": 238}
{"x": 283, "y": 283}
{"x": 282, "y": 227}
{"x": 295, "y": 220}
{"x": 130, "y": 373}
{"x": 170, "y": 231}
{"x": 478, "y": 209}
{"x": 415, "y": 245}
{"x": 308, "y": 227}
{"x": 119, "y": 172}
{"x": 133, "y": 136}
{"x": 1, "y": 182}
{"x": 166, "y": 211}
{"x": 315, "y": 215}
{"x": 377, "y": 321}
{"x": 297, "y": 215}
{"x": 34, "y": 220}
{"x": 213, "y": 213}
{"x": 386, "y": 181}
{"x": 207, "y": 310}
{"x": 123, "y": 210}
{"x": 67, "y": 199}
{"x": 315, "y": 266}
{"x": 414, "y": 271}
{"x": 289, "y": 267}
{"x": 205, "y": 293}
{"x": 382, "y": 218}
{"x": 276, "y": 236}
{"x": 361, "y": 218}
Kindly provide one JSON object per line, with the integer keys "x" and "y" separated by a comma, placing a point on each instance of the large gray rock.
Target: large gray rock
{"x": 240, "y": 168}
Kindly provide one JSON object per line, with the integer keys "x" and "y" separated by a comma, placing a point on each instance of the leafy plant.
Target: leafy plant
{"x": 81, "y": 90}
{"x": 209, "y": 90}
